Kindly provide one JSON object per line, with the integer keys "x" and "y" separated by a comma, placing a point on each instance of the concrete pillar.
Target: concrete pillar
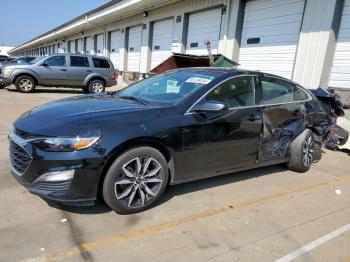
{"x": 233, "y": 23}
{"x": 123, "y": 52}
{"x": 180, "y": 33}
{"x": 317, "y": 42}
{"x": 145, "y": 60}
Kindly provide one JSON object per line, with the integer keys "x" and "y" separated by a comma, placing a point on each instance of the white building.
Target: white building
{"x": 304, "y": 40}
{"x": 5, "y": 49}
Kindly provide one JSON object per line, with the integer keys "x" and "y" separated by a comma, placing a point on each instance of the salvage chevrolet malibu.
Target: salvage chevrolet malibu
{"x": 128, "y": 146}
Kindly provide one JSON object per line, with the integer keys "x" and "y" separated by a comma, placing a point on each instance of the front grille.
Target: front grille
{"x": 53, "y": 186}
{"x": 19, "y": 157}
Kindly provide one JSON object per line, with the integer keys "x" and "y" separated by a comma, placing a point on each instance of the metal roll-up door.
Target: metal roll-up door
{"x": 116, "y": 43}
{"x": 89, "y": 48}
{"x": 161, "y": 41}
{"x": 134, "y": 48}
{"x": 71, "y": 46}
{"x": 270, "y": 35}
{"x": 204, "y": 26}
{"x": 80, "y": 46}
{"x": 340, "y": 73}
{"x": 99, "y": 44}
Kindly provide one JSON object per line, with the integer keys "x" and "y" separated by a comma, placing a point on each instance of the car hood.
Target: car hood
{"x": 17, "y": 66}
{"x": 85, "y": 110}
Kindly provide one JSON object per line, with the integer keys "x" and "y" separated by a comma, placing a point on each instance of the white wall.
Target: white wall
{"x": 5, "y": 49}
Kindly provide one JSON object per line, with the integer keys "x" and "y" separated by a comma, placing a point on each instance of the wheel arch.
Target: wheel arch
{"x": 94, "y": 77}
{"x": 25, "y": 74}
{"x": 136, "y": 142}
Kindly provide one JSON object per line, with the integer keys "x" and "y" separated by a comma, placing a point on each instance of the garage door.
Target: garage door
{"x": 203, "y": 26}
{"x": 116, "y": 41}
{"x": 72, "y": 46}
{"x": 89, "y": 45}
{"x": 80, "y": 46}
{"x": 134, "y": 48}
{"x": 161, "y": 41}
{"x": 340, "y": 73}
{"x": 99, "y": 47}
{"x": 270, "y": 35}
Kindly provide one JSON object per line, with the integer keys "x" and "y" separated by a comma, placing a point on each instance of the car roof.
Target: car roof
{"x": 74, "y": 54}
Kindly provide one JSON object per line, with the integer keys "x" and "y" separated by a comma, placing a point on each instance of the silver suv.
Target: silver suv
{"x": 91, "y": 73}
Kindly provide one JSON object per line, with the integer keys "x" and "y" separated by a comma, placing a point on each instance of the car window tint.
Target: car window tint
{"x": 276, "y": 90}
{"x": 21, "y": 61}
{"x": 56, "y": 61}
{"x": 100, "y": 63}
{"x": 79, "y": 61}
{"x": 236, "y": 92}
{"x": 300, "y": 94}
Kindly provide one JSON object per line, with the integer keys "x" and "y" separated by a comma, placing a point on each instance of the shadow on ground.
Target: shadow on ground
{"x": 52, "y": 90}
{"x": 181, "y": 189}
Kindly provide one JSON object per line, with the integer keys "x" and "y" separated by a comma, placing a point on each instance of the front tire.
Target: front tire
{"x": 302, "y": 152}
{"x": 136, "y": 180}
{"x": 97, "y": 86}
{"x": 25, "y": 84}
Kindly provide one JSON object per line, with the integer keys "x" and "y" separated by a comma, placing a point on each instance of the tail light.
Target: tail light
{"x": 114, "y": 75}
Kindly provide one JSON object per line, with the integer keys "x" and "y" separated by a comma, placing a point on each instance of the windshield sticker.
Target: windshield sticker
{"x": 172, "y": 86}
{"x": 198, "y": 80}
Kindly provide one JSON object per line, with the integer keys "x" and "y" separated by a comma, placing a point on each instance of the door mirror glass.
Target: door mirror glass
{"x": 210, "y": 106}
{"x": 45, "y": 64}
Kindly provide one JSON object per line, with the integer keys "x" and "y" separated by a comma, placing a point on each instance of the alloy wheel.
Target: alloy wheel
{"x": 25, "y": 84}
{"x": 97, "y": 88}
{"x": 139, "y": 182}
{"x": 308, "y": 151}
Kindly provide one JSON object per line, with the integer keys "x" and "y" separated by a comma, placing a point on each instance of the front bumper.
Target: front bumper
{"x": 5, "y": 81}
{"x": 81, "y": 190}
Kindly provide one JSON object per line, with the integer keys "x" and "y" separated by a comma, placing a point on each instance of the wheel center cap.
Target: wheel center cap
{"x": 138, "y": 180}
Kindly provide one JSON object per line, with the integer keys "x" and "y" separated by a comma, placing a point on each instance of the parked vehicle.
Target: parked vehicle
{"x": 175, "y": 127}
{"x": 19, "y": 60}
{"x": 91, "y": 73}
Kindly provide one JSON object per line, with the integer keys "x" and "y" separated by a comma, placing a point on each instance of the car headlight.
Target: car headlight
{"x": 64, "y": 144}
{"x": 7, "y": 72}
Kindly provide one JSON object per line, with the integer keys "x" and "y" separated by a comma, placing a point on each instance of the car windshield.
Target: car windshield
{"x": 169, "y": 88}
{"x": 36, "y": 60}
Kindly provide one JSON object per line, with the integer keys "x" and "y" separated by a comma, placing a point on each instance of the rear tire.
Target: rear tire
{"x": 136, "y": 180}
{"x": 97, "y": 86}
{"x": 25, "y": 84}
{"x": 302, "y": 152}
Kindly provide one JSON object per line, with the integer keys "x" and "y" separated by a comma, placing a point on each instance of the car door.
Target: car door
{"x": 79, "y": 69}
{"x": 283, "y": 117}
{"x": 53, "y": 70}
{"x": 224, "y": 141}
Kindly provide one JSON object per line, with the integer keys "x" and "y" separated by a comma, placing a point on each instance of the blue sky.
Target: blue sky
{"x": 22, "y": 20}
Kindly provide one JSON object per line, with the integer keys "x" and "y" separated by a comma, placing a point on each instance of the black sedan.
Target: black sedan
{"x": 179, "y": 126}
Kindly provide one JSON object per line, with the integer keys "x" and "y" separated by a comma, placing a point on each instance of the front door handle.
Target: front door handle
{"x": 88, "y": 71}
{"x": 253, "y": 117}
{"x": 64, "y": 70}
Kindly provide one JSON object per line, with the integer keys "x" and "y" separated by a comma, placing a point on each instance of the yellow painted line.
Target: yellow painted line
{"x": 347, "y": 259}
{"x": 183, "y": 220}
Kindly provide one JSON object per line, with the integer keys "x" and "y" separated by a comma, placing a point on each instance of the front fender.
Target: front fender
{"x": 18, "y": 72}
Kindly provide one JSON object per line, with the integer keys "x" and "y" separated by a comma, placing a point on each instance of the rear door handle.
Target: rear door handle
{"x": 253, "y": 117}
{"x": 64, "y": 70}
{"x": 88, "y": 71}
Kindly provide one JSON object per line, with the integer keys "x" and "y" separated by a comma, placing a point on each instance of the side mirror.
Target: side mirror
{"x": 44, "y": 64}
{"x": 210, "y": 106}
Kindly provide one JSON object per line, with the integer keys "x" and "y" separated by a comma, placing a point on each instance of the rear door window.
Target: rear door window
{"x": 100, "y": 63}
{"x": 276, "y": 90}
{"x": 79, "y": 61}
{"x": 236, "y": 92}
